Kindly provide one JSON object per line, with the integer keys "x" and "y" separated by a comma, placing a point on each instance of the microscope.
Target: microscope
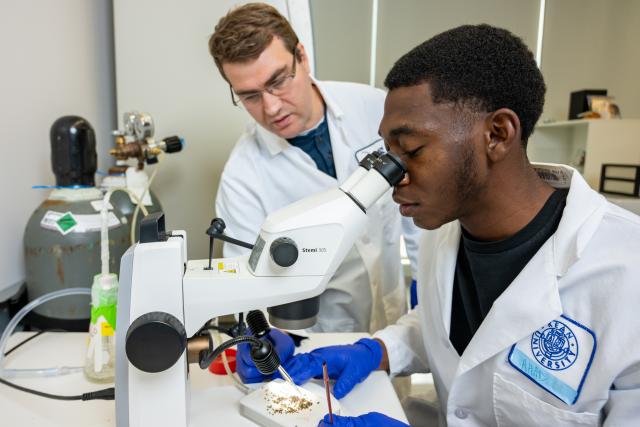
{"x": 165, "y": 300}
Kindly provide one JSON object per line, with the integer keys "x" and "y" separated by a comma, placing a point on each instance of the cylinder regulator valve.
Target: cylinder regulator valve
{"x": 136, "y": 141}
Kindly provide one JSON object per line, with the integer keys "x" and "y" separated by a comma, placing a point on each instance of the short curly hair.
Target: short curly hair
{"x": 476, "y": 66}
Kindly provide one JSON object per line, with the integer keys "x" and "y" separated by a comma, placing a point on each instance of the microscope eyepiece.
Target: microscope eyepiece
{"x": 387, "y": 171}
{"x": 391, "y": 167}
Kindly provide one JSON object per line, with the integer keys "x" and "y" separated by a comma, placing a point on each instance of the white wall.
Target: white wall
{"x": 622, "y": 58}
{"x": 342, "y": 30}
{"x": 591, "y": 44}
{"x": 342, "y": 39}
{"x": 57, "y": 59}
{"x": 587, "y": 43}
{"x": 403, "y": 24}
{"x": 573, "y": 51}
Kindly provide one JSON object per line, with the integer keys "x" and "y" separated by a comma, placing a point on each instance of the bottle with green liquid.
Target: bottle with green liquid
{"x": 100, "y": 360}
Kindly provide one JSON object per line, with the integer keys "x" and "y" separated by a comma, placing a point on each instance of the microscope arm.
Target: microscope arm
{"x": 323, "y": 228}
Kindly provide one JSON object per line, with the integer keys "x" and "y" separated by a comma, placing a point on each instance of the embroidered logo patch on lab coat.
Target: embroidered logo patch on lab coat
{"x": 557, "y": 357}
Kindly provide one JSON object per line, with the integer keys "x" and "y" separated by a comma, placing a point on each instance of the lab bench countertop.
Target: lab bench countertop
{"x": 214, "y": 398}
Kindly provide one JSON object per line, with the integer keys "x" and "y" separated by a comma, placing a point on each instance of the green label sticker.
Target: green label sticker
{"x": 66, "y": 223}
{"x": 108, "y": 312}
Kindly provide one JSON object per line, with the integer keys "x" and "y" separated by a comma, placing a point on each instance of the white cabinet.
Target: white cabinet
{"x": 586, "y": 144}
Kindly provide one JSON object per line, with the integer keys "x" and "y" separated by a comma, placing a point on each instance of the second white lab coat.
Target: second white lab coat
{"x": 265, "y": 173}
{"x": 589, "y": 272}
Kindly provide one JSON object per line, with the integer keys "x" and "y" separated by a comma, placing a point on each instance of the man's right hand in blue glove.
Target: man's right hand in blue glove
{"x": 246, "y": 369}
{"x": 348, "y": 364}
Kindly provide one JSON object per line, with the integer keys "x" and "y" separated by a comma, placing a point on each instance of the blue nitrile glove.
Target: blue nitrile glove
{"x": 348, "y": 364}
{"x": 246, "y": 369}
{"x": 372, "y": 419}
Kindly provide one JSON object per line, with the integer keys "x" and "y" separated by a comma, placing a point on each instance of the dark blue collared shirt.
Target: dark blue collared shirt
{"x": 317, "y": 144}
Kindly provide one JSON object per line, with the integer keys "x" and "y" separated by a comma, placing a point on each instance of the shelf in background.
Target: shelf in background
{"x": 586, "y": 144}
{"x": 565, "y": 123}
{"x": 573, "y": 123}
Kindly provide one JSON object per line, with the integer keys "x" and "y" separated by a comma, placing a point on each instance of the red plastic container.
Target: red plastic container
{"x": 217, "y": 367}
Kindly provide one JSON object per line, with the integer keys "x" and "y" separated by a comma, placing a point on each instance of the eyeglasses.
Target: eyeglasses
{"x": 277, "y": 88}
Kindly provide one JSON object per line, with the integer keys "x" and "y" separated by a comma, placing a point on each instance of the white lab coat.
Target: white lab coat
{"x": 588, "y": 271}
{"x": 265, "y": 173}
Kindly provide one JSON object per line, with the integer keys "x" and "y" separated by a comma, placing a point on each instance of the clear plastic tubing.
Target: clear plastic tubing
{"x": 37, "y": 372}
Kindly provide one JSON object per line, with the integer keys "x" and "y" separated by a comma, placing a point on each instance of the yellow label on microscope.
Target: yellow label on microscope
{"x": 228, "y": 267}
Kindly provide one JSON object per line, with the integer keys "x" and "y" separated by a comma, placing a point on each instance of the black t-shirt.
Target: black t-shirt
{"x": 485, "y": 269}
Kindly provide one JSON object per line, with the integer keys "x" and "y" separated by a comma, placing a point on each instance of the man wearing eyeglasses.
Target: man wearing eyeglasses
{"x": 308, "y": 136}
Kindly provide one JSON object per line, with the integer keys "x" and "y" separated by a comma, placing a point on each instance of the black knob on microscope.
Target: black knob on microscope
{"x": 284, "y": 251}
{"x": 155, "y": 341}
{"x": 217, "y": 227}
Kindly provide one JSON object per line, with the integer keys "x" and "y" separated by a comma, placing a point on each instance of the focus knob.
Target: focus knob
{"x": 284, "y": 251}
{"x": 155, "y": 341}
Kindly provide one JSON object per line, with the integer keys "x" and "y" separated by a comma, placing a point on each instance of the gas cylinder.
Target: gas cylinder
{"x": 62, "y": 236}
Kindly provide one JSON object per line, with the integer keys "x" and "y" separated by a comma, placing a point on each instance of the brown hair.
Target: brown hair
{"x": 246, "y": 31}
